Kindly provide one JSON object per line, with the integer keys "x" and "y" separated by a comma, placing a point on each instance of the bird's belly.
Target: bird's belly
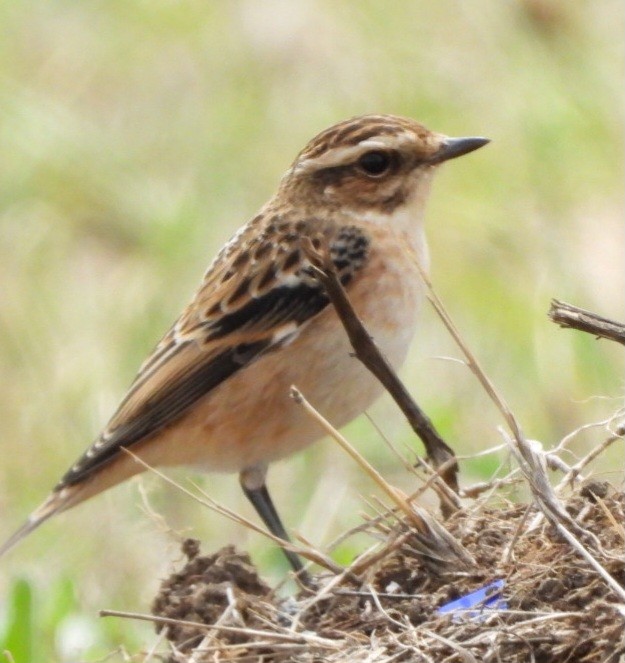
{"x": 251, "y": 419}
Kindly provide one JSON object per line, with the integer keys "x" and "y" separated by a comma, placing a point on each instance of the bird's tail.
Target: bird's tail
{"x": 58, "y": 501}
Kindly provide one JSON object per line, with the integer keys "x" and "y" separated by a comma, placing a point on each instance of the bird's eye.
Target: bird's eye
{"x": 375, "y": 163}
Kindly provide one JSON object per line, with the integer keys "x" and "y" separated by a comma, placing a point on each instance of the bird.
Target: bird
{"x": 214, "y": 393}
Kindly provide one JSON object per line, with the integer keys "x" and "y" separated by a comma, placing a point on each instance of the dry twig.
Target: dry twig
{"x": 439, "y": 453}
{"x": 573, "y": 317}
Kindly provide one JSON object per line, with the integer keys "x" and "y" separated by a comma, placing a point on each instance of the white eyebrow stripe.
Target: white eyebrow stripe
{"x": 341, "y": 155}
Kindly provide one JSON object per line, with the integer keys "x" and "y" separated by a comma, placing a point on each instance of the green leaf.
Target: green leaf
{"x": 19, "y": 635}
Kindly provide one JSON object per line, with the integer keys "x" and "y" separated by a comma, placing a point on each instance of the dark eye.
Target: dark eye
{"x": 375, "y": 163}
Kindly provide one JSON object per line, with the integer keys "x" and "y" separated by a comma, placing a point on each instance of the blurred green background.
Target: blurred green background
{"x": 135, "y": 137}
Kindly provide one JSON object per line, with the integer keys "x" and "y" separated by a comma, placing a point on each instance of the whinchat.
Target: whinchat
{"x": 214, "y": 393}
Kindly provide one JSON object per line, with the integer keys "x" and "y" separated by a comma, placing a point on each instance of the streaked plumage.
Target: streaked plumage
{"x": 215, "y": 391}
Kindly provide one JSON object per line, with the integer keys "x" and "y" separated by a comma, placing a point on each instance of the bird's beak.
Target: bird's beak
{"x": 456, "y": 147}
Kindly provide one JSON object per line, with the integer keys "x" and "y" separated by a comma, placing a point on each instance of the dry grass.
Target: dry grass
{"x": 563, "y": 603}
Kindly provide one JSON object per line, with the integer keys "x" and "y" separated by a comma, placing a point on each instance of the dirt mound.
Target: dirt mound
{"x": 554, "y": 606}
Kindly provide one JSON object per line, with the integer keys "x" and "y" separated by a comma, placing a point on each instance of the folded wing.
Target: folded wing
{"x": 256, "y": 297}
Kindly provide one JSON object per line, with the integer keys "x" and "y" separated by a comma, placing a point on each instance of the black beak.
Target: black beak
{"x": 456, "y": 147}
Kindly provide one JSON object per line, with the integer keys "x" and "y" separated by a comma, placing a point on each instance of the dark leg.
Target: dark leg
{"x": 253, "y": 484}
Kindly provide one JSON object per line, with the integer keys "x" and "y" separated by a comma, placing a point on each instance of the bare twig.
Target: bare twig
{"x": 291, "y": 637}
{"x": 471, "y": 360}
{"x": 569, "y": 316}
{"x": 438, "y": 452}
{"x": 431, "y": 538}
{"x": 576, "y": 469}
{"x": 397, "y": 497}
{"x": 532, "y": 462}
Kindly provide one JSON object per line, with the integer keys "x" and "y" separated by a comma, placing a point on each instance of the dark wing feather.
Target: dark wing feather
{"x": 184, "y": 369}
{"x": 166, "y": 406}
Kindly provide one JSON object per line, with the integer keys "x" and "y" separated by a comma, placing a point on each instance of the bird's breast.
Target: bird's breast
{"x": 251, "y": 419}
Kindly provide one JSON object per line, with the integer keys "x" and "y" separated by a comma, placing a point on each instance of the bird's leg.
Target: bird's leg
{"x": 253, "y": 483}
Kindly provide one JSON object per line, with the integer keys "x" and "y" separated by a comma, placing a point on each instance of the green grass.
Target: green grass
{"x": 135, "y": 138}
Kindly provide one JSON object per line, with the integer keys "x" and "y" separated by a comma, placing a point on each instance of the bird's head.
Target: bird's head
{"x": 370, "y": 164}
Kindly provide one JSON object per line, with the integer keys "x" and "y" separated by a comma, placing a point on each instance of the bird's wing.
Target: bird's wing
{"x": 255, "y": 297}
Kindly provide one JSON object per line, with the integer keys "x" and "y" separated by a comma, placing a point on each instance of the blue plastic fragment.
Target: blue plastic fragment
{"x": 485, "y": 599}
